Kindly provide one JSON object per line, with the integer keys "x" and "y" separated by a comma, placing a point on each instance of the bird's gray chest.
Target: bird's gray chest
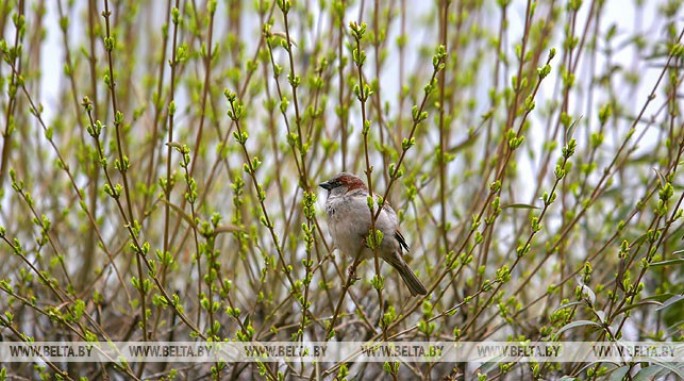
{"x": 349, "y": 222}
{"x": 341, "y": 209}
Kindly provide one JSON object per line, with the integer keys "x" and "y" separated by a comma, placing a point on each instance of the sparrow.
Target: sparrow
{"x": 349, "y": 220}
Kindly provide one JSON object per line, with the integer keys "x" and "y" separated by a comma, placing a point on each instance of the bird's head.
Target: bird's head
{"x": 343, "y": 183}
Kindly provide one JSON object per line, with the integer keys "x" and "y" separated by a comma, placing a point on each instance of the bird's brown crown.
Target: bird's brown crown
{"x": 344, "y": 179}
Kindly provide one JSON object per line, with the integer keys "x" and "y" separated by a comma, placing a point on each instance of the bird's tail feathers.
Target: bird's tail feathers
{"x": 412, "y": 282}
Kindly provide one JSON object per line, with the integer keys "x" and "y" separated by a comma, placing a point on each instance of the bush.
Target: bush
{"x": 160, "y": 165}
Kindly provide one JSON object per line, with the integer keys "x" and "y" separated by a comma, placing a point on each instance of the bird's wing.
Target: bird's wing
{"x": 387, "y": 208}
{"x": 401, "y": 239}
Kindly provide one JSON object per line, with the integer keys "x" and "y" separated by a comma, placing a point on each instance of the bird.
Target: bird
{"x": 349, "y": 221}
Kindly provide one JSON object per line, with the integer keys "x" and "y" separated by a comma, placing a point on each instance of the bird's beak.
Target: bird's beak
{"x": 326, "y": 185}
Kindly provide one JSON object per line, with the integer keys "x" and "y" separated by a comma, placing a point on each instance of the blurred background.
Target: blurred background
{"x": 160, "y": 162}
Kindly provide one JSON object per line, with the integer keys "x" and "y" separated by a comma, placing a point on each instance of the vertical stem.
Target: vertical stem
{"x": 443, "y": 132}
{"x": 207, "y": 84}
{"x": 340, "y": 73}
{"x": 123, "y": 166}
{"x": 170, "y": 119}
{"x": 11, "y": 103}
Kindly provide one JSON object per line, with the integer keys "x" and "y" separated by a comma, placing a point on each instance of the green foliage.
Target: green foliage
{"x": 159, "y": 171}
